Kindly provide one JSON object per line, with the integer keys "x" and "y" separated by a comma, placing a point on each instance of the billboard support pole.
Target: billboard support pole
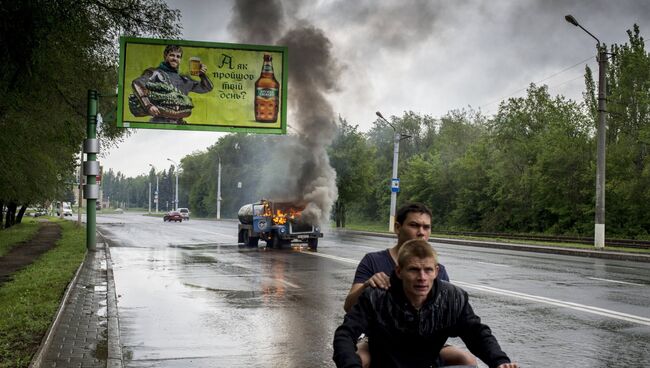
{"x": 91, "y": 180}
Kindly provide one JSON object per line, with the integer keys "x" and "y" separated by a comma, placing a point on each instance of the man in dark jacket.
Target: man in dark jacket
{"x": 409, "y": 323}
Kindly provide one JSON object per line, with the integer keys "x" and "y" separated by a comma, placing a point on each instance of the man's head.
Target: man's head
{"x": 413, "y": 221}
{"x": 417, "y": 267}
{"x": 173, "y": 55}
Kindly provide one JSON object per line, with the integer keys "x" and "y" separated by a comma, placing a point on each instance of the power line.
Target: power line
{"x": 538, "y": 82}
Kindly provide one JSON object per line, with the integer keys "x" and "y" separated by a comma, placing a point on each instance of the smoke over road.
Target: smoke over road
{"x": 301, "y": 171}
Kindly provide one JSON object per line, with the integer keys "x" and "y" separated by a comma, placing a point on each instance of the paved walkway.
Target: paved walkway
{"x": 85, "y": 332}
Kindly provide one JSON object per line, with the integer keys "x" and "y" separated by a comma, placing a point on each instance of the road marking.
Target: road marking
{"x": 336, "y": 258}
{"x": 616, "y": 281}
{"x": 493, "y": 264}
{"x": 288, "y": 283}
{"x": 214, "y": 233}
{"x": 559, "y": 303}
{"x": 539, "y": 299}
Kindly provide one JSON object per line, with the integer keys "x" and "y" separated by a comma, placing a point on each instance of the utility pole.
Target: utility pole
{"x": 397, "y": 137}
{"x": 149, "y": 197}
{"x": 219, "y": 190}
{"x": 91, "y": 170}
{"x": 175, "y": 207}
{"x": 80, "y": 201}
{"x": 599, "y": 226}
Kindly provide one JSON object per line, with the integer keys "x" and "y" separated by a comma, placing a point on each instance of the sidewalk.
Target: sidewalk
{"x": 85, "y": 332}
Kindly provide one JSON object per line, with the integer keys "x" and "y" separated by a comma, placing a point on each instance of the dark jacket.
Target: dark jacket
{"x": 401, "y": 336}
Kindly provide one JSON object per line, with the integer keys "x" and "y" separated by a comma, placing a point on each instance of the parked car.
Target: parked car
{"x": 173, "y": 216}
{"x": 67, "y": 210}
{"x": 185, "y": 213}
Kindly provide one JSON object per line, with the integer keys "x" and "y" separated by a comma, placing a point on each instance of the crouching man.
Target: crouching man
{"x": 408, "y": 324}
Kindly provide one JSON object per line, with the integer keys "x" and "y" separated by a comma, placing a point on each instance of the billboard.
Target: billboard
{"x": 192, "y": 85}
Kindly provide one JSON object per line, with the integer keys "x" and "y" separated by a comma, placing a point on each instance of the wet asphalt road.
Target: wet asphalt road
{"x": 188, "y": 296}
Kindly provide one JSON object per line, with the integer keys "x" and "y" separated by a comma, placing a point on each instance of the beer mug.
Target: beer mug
{"x": 195, "y": 65}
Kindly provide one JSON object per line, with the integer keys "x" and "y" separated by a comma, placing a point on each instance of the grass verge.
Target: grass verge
{"x": 375, "y": 227}
{"x": 28, "y": 303}
{"x": 17, "y": 233}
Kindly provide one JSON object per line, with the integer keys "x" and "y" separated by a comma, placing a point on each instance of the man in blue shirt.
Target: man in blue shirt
{"x": 412, "y": 221}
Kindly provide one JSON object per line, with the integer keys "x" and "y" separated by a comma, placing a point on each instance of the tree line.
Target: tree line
{"x": 53, "y": 53}
{"x": 528, "y": 168}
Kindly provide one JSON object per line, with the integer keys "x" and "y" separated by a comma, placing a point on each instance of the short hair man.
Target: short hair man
{"x": 409, "y": 323}
{"x": 412, "y": 221}
{"x": 167, "y": 73}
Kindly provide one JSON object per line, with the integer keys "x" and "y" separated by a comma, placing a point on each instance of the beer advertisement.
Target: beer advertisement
{"x": 192, "y": 85}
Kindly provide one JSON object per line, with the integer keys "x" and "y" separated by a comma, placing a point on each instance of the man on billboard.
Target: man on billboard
{"x": 163, "y": 93}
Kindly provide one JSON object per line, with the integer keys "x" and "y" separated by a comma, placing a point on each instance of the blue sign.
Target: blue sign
{"x": 394, "y": 185}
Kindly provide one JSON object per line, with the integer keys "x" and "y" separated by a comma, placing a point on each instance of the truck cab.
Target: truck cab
{"x": 278, "y": 224}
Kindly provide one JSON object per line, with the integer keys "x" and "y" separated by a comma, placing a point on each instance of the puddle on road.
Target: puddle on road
{"x": 211, "y": 246}
{"x": 101, "y": 349}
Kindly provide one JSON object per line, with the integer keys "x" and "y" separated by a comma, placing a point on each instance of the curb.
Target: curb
{"x": 37, "y": 360}
{"x": 604, "y": 254}
{"x": 113, "y": 328}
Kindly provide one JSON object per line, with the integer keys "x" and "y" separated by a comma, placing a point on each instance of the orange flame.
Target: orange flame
{"x": 280, "y": 217}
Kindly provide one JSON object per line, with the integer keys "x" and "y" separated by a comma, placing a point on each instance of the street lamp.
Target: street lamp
{"x": 397, "y": 137}
{"x": 176, "y": 199}
{"x": 155, "y": 197}
{"x": 219, "y": 190}
{"x": 599, "y": 227}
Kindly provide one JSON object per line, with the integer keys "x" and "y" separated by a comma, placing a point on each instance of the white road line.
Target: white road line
{"x": 616, "y": 281}
{"x": 336, "y": 258}
{"x": 540, "y": 299}
{"x": 559, "y": 303}
{"x": 493, "y": 264}
{"x": 288, "y": 283}
{"x": 214, "y": 233}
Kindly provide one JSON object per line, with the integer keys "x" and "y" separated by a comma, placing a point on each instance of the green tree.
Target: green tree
{"x": 54, "y": 52}
{"x": 350, "y": 156}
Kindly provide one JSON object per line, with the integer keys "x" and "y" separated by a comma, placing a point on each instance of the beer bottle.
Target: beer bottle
{"x": 267, "y": 94}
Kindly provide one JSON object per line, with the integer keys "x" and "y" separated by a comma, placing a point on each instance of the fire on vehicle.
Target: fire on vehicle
{"x": 279, "y": 224}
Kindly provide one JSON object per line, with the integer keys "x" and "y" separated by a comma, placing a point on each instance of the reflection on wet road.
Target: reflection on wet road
{"x": 188, "y": 296}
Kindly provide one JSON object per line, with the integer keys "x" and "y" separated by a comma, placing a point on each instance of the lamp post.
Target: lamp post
{"x": 219, "y": 190}
{"x": 155, "y": 197}
{"x": 149, "y": 198}
{"x": 175, "y": 207}
{"x": 397, "y": 137}
{"x": 599, "y": 227}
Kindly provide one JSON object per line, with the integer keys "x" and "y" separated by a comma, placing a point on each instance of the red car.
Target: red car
{"x": 173, "y": 216}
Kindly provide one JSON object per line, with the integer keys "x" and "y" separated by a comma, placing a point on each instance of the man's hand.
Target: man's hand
{"x": 509, "y": 365}
{"x": 153, "y": 110}
{"x": 378, "y": 280}
{"x": 204, "y": 69}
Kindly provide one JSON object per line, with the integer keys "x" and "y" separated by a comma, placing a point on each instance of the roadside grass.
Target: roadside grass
{"x": 28, "y": 303}
{"x": 364, "y": 226}
{"x": 381, "y": 228}
{"x": 17, "y": 233}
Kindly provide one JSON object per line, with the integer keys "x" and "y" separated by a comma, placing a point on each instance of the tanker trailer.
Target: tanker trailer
{"x": 277, "y": 223}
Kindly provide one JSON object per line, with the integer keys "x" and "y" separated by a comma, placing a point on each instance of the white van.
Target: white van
{"x": 67, "y": 210}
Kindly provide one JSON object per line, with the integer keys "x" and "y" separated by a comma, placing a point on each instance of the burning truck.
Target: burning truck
{"x": 277, "y": 223}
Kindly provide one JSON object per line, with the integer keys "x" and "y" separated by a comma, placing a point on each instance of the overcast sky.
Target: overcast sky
{"x": 424, "y": 56}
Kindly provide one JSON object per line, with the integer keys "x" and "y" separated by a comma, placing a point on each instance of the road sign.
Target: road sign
{"x": 394, "y": 185}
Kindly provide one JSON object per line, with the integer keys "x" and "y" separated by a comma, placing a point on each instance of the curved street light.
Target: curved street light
{"x": 397, "y": 137}
{"x": 599, "y": 227}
